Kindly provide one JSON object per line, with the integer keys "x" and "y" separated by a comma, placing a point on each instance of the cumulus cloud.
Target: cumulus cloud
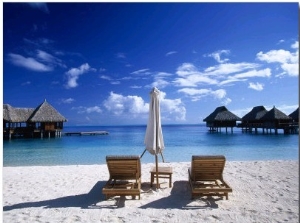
{"x": 119, "y": 104}
{"x": 289, "y": 61}
{"x": 256, "y": 86}
{"x": 132, "y": 106}
{"x": 28, "y": 63}
{"x": 172, "y": 108}
{"x": 74, "y": 73}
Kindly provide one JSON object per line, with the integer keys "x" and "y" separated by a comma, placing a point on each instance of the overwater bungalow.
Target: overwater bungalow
{"x": 221, "y": 118}
{"x": 295, "y": 115}
{"x": 294, "y": 126}
{"x": 42, "y": 121}
{"x": 276, "y": 119}
{"x": 252, "y": 120}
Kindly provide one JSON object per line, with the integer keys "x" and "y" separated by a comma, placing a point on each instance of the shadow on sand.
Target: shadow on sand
{"x": 180, "y": 198}
{"x": 84, "y": 201}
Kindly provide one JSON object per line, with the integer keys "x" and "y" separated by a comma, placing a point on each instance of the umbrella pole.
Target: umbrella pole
{"x": 162, "y": 157}
{"x": 157, "y": 183}
{"x": 143, "y": 153}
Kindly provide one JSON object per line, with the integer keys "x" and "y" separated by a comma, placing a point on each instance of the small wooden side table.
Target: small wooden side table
{"x": 163, "y": 172}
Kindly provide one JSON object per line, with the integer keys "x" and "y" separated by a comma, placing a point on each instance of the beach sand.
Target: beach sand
{"x": 263, "y": 191}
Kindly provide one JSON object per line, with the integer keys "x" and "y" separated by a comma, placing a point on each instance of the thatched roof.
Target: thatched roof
{"x": 221, "y": 114}
{"x": 275, "y": 114}
{"x": 295, "y": 114}
{"x": 46, "y": 113}
{"x": 255, "y": 114}
{"x": 43, "y": 113}
{"x": 11, "y": 114}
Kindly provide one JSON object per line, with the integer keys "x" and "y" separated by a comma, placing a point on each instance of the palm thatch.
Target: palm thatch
{"x": 275, "y": 114}
{"x": 255, "y": 114}
{"x": 295, "y": 115}
{"x": 43, "y": 113}
{"x": 46, "y": 113}
{"x": 221, "y": 114}
{"x": 11, "y": 114}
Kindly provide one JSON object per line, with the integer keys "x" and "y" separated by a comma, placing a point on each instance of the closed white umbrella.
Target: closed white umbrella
{"x": 154, "y": 138}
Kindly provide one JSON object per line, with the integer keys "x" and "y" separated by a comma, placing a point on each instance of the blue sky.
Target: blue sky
{"x": 97, "y": 62}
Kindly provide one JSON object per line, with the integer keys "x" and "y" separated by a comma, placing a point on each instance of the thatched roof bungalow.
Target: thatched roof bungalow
{"x": 275, "y": 119}
{"x": 29, "y": 121}
{"x": 46, "y": 113}
{"x": 16, "y": 115}
{"x": 221, "y": 117}
{"x": 253, "y": 118}
{"x": 295, "y": 115}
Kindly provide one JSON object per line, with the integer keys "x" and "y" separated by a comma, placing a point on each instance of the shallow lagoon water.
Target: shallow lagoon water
{"x": 181, "y": 142}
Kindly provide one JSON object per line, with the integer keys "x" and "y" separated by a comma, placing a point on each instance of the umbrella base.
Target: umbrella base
{"x": 163, "y": 172}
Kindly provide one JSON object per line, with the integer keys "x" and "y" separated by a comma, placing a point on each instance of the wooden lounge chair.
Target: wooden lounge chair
{"x": 206, "y": 176}
{"x": 124, "y": 176}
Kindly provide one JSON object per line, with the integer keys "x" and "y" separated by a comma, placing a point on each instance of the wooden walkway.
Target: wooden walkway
{"x": 86, "y": 133}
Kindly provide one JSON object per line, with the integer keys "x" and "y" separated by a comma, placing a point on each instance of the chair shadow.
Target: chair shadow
{"x": 84, "y": 201}
{"x": 180, "y": 198}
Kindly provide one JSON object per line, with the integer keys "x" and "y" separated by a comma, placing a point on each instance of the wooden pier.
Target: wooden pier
{"x": 86, "y": 133}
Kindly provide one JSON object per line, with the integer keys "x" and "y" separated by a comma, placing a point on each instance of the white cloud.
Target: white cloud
{"x": 189, "y": 76}
{"x": 291, "y": 69}
{"x": 217, "y": 55}
{"x": 67, "y": 100}
{"x": 231, "y": 80}
{"x": 289, "y": 61}
{"x": 74, "y": 73}
{"x": 254, "y": 73}
{"x": 186, "y": 69}
{"x": 28, "y": 63}
{"x": 256, "y": 86}
{"x": 219, "y": 94}
{"x": 170, "y": 53}
{"x": 276, "y": 56}
{"x": 172, "y": 108}
{"x": 41, "y": 6}
{"x": 159, "y": 80}
{"x": 105, "y": 77}
{"x": 229, "y": 68}
{"x": 142, "y": 71}
{"x": 133, "y": 106}
{"x": 119, "y": 104}
{"x": 198, "y": 94}
{"x": 88, "y": 110}
{"x": 48, "y": 58}
{"x": 135, "y": 87}
{"x": 295, "y": 45}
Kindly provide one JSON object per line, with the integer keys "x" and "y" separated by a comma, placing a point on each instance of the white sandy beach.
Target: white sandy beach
{"x": 263, "y": 191}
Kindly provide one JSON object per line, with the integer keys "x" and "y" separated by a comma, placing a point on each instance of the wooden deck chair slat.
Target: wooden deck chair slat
{"x": 124, "y": 176}
{"x": 206, "y": 176}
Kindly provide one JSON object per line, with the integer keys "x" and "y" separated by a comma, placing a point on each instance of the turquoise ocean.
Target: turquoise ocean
{"x": 181, "y": 142}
